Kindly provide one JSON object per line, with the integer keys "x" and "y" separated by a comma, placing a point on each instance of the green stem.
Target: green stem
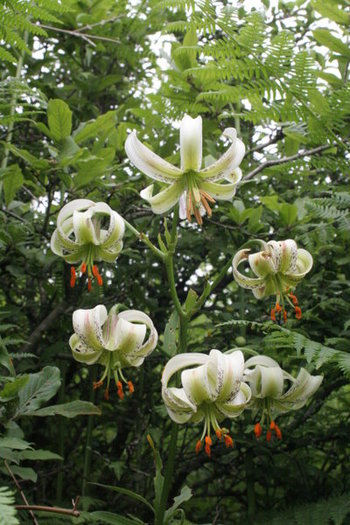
{"x": 13, "y": 105}
{"x": 88, "y": 448}
{"x": 61, "y": 436}
{"x": 168, "y": 475}
{"x": 209, "y": 289}
{"x": 145, "y": 239}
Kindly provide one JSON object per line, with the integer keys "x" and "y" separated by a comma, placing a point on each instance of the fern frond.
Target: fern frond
{"x": 7, "y": 510}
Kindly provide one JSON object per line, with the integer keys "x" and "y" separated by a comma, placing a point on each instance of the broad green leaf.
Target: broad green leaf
{"x": 59, "y": 118}
{"x": 128, "y": 493}
{"x": 5, "y": 359}
{"x": 69, "y": 410}
{"x": 12, "y": 181}
{"x": 14, "y": 443}
{"x": 11, "y": 389}
{"x": 329, "y": 9}
{"x": 27, "y": 157}
{"x": 326, "y": 38}
{"x": 40, "y": 387}
{"x": 90, "y": 130}
{"x": 25, "y": 473}
{"x": 112, "y": 519}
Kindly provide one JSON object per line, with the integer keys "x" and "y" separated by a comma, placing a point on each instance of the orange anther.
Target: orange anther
{"x": 273, "y": 314}
{"x": 284, "y": 316}
{"x": 95, "y": 271}
{"x": 257, "y": 430}
{"x": 278, "y": 307}
{"x": 293, "y": 298}
{"x": 198, "y": 446}
{"x": 278, "y": 432}
{"x": 73, "y": 276}
{"x": 83, "y": 268}
{"x": 106, "y": 394}
{"x": 298, "y": 313}
{"x": 120, "y": 390}
{"x": 208, "y": 443}
{"x": 131, "y": 387}
{"x": 89, "y": 284}
{"x": 218, "y": 433}
{"x": 268, "y": 435}
{"x": 228, "y": 441}
{"x": 272, "y": 425}
{"x": 97, "y": 384}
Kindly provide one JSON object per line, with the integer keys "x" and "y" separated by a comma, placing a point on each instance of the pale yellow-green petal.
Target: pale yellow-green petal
{"x": 165, "y": 199}
{"x": 221, "y": 191}
{"x": 228, "y": 162}
{"x": 250, "y": 283}
{"x": 191, "y": 143}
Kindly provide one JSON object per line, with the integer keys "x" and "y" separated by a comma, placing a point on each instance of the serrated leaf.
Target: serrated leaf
{"x": 59, "y": 118}
{"x": 40, "y": 387}
{"x": 69, "y": 410}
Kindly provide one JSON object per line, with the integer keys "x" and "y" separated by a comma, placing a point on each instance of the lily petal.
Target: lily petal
{"x": 83, "y": 353}
{"x": 304, "y": 264}
{"x": 251, "y": 283}
{"x": 148, "y": 162}
{"x": 228, "y": 162}
{"x": 225, "y": 373}
{"x": 224, "y": 191}
{"x": 87, "y": 325}
{"x": 165, "y": 199}
{"x": 191, "y": 143}
{"x": 136, "y": 316}
{"x": 235, "y": 406}
{"x": 180, "y": 361}
{"x": 84, "y": 228}
{"x": 266, "y": 381}
{"x": 304, "y": 386}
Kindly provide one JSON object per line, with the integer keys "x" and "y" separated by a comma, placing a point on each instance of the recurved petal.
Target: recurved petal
{"x": 289, "y": 252}
{"x": 176, "y": 400}
{"x": 84, "y": 228}
{"x": 222, "y": 191}
{"x": 116, "y": 225}
{"x": 128, "y": 337}
{"x": 304, "y": 264}
{"x": 229, "y": 161}
{"x": 266, "y": 381}
{"x": 225, "y": 372}
{"x": 88, "y": 324}
{"x": 251, "y": 283}
{"x": 195, "y": 382}
{"x": 235, "y": 406}
{"x": 235, "y": 176}
{"x": 68, "y": 210}
{"x": 261, "y": 263}
{"x": 83, "y": 353}
{"x": 165, "y": 199}
{"x": 136, "y": 316}
{"x": 109, "y": 254}
{"x": 191, "y": 143}
{"x": 179, "y": 362}
{"x": 148, "y": 162}
{"x": 303, "y": 387}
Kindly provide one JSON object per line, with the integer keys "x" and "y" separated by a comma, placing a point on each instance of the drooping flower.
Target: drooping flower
{"x": 271, "y": 396}
{"x": 278, "y": 267}
{"x": 114, "y": 340}
{"x": 87, "y": 232}
{"x": 194, "y": 187}
{"x": 212, "y": 390}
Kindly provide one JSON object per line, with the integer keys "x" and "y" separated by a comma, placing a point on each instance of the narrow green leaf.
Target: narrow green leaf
{"x": 112, "y": 519}
{"x": 126, "y": 492}
{"x": 25, "y": 473}
{"x": 325, "y": 37}
{"x": 14, "y": 443}
{"x": 39, "y": 455}
{"x": 185, "y": 495}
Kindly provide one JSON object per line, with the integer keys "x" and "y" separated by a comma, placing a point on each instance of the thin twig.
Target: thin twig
{"x": 56, "y": 510}
{"x": 85, "y": 36}
{"x": 44, "y": 325}
{"x": 283, "y": 160}
{"x": 279, "y": 136}
{"x": 21, "y": 493}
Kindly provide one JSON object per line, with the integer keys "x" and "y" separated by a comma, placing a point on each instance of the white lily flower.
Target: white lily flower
{"x": 114, "y": 340}
{"x": 278, "y": 267}
{"x": 212, "y": 390}
{"x": 82, "y": 237}
{"x": 194, "y": 187}
{"x": 270, "y": 396}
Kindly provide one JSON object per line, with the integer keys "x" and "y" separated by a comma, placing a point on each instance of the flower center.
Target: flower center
{"x": 279, "y": 313}
{"x": 197, "y": 200}
{"x": 271, "y": 423}
{"x": 88, "y": 267}
{"x": 118, "y": 377}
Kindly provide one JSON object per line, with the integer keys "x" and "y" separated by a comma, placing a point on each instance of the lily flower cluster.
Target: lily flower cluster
{"x": 213, "y": 387}
{"x": 219, "y": 386}
{"x": 278, "y": 267}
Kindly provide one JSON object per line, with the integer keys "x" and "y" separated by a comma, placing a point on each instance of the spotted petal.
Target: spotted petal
{"x": 235, "y": 406}
{"x": 148, "y": 162}
{"x": 228, "y": 162}
{"x": 304, "y": 264}
{"x": 303, "y": 387}
{"x": 250, "y": 283}
{"x": 88, "y": 324}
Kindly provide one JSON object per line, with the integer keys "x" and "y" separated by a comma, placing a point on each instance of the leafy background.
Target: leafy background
{"x": 75, "y": 77}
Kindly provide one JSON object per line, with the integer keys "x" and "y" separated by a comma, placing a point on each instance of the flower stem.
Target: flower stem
{"x": 168, "y": 475}
{"x": 88, "y": 449}
{"x": 143, "y": 237}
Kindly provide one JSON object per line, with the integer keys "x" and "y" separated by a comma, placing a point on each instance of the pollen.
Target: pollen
{"x": 96, "y": 274}
{"x": 228, "y": 441}
{"x": 97, "y": 384}
{"x": 298, "y": 313}
{"x": 89, "y": 284}
{"x": 268, "y": 435}
{"x": 83, "y": 268}
{"x": 218, "y": 433}
{"x": 131, "y": 387}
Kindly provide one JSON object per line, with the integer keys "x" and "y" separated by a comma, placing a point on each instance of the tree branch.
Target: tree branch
{"x": 57, "y": 510}
{"x": 43, "y": 326}
{"x": 283, "y": 160}
{"x": 84, "y": 36}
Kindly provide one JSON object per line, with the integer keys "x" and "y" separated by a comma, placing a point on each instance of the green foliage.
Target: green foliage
{"x": 7, "y": 511}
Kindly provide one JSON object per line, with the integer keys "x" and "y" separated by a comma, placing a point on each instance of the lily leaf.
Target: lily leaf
{"x": 70, "y": 410}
